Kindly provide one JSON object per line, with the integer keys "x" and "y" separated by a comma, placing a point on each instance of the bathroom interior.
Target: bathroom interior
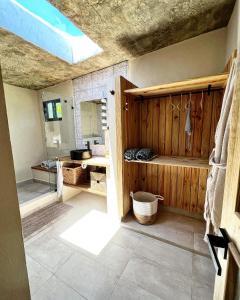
{"x": 112, "y": 159}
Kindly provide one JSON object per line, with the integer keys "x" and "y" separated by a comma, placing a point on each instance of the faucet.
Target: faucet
{"x": 87, "y": 145}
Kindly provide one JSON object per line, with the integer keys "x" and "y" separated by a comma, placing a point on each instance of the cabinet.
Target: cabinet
{"x": 155, "y": 117}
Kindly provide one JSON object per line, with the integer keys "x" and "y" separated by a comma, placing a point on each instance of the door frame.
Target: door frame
{"x": 230, "y": 216}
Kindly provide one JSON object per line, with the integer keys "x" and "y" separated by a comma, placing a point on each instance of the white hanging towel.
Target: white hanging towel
{"x": 188, "y": 127}
{"x": 218, "y": 160}
{"x": 59, "y": 180}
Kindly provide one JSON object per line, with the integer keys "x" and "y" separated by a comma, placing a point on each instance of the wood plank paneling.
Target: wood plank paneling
{"x": 159, "y": 123}
{"x": 170, "y": 127}
{"x": 206, "y": 125}
{"x": 182, "y": 122}
{"x": 175, "y": 125}
{"x": 181, "y": 187}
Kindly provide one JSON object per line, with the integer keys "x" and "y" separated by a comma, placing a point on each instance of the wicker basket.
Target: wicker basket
{"x": 98, "y": 181}
{"x": 145, "y": 207}
{"x": 74, "y": 174}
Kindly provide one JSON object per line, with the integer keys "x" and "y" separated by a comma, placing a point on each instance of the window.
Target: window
{"x": 52, "y": 110}
{"x": 41, "y": 24}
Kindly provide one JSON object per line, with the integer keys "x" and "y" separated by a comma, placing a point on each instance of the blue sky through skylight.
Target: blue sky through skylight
{"x": 41, "y": 24}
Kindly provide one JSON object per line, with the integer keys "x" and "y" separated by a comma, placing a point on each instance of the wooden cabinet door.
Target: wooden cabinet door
{"x": 227, "y": 286}
{"x": 127, "y": 129}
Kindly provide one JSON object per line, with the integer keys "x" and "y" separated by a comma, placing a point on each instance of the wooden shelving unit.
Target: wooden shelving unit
{"x": 180, "y": 171}
{"x": 86, "y": 188}
{"x": 176, "y": 161}
{"x": 192, "y": 85}
{"x": 98, "y": 161}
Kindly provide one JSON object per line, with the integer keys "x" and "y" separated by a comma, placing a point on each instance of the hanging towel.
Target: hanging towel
{"x": 188, "y": 127}
{"x": 59, "y": 180}
{"x": 130, "y": 154}
{"x": 145, "y": 154}
{"x": 218, "y": 160}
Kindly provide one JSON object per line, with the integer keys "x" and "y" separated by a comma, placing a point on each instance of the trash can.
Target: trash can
{"x": 145, "y": 206}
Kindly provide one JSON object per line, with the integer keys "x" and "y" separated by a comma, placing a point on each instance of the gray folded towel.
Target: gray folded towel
{"x": 145, "y": 154}
{"x": 130, "y": 154}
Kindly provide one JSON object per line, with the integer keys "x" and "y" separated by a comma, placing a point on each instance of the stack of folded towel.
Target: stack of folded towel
{"x": 139, "y": 154}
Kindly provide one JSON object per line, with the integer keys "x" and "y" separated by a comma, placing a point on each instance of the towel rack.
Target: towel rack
{"x": 218, "y": 242}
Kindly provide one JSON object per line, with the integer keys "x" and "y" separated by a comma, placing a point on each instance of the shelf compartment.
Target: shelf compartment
{"x": 85, "y": 188}
{"x": 176, "y": 161}
{"x": 191, "y": 85}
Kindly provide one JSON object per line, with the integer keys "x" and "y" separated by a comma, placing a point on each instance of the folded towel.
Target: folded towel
{"x": 48, "y": 164}
{"x": 130, "y": 154}
{"x": 145, "y": 154}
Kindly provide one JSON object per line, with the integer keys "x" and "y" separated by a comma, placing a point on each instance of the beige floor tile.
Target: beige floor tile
{"x": 126, "y": 238}
{"x": 165, "y": 255}
{"x": 49, "y": 252}
{"x": 126, "y": 290}
{"x": 115, "y": 257}
{"x": 158, "y": 280}
{"x": 37, "y": 274}
{"x": 89, "y": 278}
{"x": 170, "y": 227}
{"x": 54, "y": 289}
{"x": 199, "y": 244}
{"x": 150, "y": 269}
{"x": 201, "y": 292}
{"x": 203, "y": 270}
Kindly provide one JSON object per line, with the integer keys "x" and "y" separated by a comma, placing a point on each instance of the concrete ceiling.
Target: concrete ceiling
{"x": 124, "y": 29}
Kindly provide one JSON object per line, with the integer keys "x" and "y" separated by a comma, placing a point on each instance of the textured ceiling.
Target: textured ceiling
{"x": 123, "y": 28}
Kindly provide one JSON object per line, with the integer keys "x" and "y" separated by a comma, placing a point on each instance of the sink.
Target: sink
{"x": 81, "y": 154}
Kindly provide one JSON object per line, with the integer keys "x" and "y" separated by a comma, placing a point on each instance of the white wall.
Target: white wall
{"x": 199, "y": 56}
{"x": 25, "y": 129}
{"x": 233, "y": 31}
{"x": 62, "y": 130}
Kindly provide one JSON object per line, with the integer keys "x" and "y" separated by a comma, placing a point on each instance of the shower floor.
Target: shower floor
{"x": 31, "y": 190}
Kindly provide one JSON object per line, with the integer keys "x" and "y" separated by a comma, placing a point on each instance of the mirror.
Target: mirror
{"x": 91, "y": 122}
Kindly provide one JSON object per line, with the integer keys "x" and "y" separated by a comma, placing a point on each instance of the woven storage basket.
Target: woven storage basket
{"x": 145, "y": 207}
{"x": 74, "y": 174}
{"x": 98, "y": 181}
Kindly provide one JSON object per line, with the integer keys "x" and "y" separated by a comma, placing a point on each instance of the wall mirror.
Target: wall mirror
{"x": 92, "y": 115}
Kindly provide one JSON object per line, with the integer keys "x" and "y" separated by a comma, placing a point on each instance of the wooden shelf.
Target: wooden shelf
{"x": 177, "y": 161}
{"x": 99, "y": 161}
{"x": 39, "y": 168}
{"x": 86, "y": 188}
{"x": 197, "y": 84}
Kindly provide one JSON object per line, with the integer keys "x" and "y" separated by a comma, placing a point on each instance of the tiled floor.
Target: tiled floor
{"x": 82, "y": 256}
{"x": 176, "y": 229}
{"x": 31, "y": 190}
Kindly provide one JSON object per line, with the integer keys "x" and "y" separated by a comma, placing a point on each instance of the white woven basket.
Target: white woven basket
{"x": 145, "y": 206}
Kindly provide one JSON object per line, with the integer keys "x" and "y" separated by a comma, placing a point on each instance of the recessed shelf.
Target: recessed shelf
{"x": 177, "y": 161}
{"x": 86, "y": 188}
{"x": 197, "y": 84}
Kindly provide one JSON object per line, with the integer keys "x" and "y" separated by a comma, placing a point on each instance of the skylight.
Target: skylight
{"x": 41, "y": 24}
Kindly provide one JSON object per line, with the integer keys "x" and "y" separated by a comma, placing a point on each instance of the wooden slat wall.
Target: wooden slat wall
{"x": 163, "y": 128}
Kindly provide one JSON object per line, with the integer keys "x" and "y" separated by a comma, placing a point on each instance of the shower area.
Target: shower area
{"x": 57, "y": 123}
